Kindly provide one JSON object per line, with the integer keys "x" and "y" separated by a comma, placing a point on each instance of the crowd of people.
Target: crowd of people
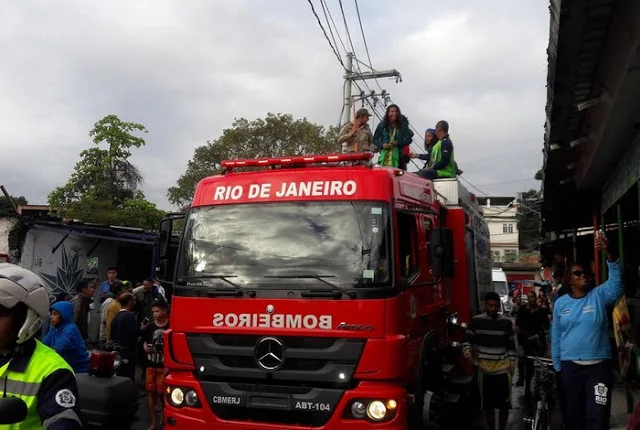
{"x": 577, "y": 323}
{"x": 392, "y": 139}
{"x": 132, "y": 321}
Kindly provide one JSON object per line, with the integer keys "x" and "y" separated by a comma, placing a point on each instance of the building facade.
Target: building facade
{"x": 500, "y": 213}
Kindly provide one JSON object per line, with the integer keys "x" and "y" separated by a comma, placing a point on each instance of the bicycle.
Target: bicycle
{"x": 544, "y": 378}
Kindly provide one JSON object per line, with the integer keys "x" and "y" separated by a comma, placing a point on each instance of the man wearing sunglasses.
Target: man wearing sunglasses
{"x": 581, "y": 350}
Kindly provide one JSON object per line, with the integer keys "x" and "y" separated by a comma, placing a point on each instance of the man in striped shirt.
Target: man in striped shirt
{"x": 491, "y": 347}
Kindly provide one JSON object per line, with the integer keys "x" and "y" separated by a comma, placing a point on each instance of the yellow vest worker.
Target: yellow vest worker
{"x": 28, "y": 369}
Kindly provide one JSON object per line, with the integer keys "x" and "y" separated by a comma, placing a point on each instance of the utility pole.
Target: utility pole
{"x": 346, "y": 107}
{"x": 351, "y": 76}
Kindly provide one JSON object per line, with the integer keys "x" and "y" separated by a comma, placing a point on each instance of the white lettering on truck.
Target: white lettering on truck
{"x": 287, "y": 189}
{"x": 310, "y": 322}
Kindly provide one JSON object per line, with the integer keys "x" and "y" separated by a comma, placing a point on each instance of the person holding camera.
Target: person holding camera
{"x": 581, "y": 349}
{"x": 153, "y": 344}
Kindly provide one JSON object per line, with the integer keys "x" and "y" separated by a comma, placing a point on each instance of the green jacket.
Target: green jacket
{"x": 403, "y": 135}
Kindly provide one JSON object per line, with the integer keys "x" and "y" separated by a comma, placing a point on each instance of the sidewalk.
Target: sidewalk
{"x": 619, "y": 415}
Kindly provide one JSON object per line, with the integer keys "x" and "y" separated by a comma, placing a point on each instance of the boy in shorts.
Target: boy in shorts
{"x": 153, "y": 343}
{"x": 491, "y": 348}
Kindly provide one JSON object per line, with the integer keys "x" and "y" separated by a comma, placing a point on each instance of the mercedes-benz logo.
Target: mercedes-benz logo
{"x": 269, "y": 354}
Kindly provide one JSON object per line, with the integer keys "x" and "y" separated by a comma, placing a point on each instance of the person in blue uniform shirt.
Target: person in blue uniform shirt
{"x": 581, "y": 350}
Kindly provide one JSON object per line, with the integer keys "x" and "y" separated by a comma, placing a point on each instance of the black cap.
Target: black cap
{"x": 362, "y": 112}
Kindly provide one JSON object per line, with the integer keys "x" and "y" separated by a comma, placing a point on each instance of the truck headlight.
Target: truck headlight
{"x": 191, "y": 398}
{"x": 177, "y": 396}
{"x": 358, "y": 409}
{"x": 376, "y": 410}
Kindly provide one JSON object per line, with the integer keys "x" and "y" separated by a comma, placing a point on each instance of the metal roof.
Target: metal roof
{"x": 578, "y": 38}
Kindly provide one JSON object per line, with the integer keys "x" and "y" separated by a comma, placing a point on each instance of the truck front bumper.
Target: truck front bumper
{"x": 201, "y": 418}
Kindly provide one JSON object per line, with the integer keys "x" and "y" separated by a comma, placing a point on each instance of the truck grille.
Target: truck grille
{"x": 308, "y": 378}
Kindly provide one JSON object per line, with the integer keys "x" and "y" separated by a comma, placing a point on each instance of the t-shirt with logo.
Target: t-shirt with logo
{"x": 153, "y": 335}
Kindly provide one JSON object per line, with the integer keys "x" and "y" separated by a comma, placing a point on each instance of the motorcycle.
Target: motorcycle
{"x": 108, "y": 400}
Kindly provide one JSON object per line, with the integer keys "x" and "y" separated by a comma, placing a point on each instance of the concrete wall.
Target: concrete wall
{"x": 6, "y": 225}
{"x": 62, "y": 269}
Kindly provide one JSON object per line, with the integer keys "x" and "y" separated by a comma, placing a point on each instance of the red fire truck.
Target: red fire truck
{"x": 315, "y": 292}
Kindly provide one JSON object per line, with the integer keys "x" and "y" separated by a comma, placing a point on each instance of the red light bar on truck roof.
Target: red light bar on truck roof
{"x": 301, "y": 159}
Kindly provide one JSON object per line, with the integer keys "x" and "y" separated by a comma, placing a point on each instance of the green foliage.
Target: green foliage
{"x": 539, "y": 176}
{"x": 274, "y": 136}
{"x": 104, "y": 185}
{"x": 529, "y": 206}
{"x": 133, "y": 212}
{"x": 5, "y": 207}
{"x": 104, "y": 173}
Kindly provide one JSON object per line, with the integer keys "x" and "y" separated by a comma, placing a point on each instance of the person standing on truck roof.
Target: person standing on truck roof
{"x": 440, "y": 160}
{"x": 393, "y": 137}
{"x": 356, "y": 136}
{"x": 581, "y": 349}
{"x": 491, "y": 347}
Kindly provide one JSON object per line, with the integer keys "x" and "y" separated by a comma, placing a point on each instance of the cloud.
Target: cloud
{"x": 185, "y": 70}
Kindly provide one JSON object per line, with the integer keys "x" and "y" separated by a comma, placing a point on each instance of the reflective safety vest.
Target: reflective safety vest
{"x": 26, "y": 385}
{"x": 449, "y": 171}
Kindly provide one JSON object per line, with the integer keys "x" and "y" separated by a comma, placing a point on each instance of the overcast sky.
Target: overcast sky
{"x": 186, "y": 69}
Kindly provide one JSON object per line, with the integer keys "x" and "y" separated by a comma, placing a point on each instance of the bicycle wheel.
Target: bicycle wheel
{"x": 542, "y": 418}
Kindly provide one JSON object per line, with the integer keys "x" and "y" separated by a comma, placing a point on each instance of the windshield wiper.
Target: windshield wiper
{"x": 223, "y": 278}
{"x": 320, "y": 278}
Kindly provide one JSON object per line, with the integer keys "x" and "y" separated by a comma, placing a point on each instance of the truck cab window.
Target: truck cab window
{"x": 407, "y": 244}
{"x": 275, "y": 245}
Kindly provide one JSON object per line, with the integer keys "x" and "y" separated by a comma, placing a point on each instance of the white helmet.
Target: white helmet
{"x": 21, "y": 285}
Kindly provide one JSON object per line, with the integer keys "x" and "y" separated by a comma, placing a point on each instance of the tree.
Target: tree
{"x": 528, "y": 215}
{"x": 5, "y": 206}
{"x": 104, "y": 186}
{"x": 274, "y": 136}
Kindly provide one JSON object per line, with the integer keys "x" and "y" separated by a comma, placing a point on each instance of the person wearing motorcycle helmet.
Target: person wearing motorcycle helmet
{"x": 30, "y": 370}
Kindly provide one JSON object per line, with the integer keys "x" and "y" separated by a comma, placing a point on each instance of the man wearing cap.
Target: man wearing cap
{"x": 356, "y": 136}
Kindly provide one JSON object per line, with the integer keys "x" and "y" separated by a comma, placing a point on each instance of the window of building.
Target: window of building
{"x": 507, "y": 228}
{"x": 510, "y": 252}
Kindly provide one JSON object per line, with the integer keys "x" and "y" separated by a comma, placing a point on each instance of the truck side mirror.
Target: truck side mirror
{"x": 164, "y": 237}
{"x": 441, "y": 252}
{"x": 166, "y": 254}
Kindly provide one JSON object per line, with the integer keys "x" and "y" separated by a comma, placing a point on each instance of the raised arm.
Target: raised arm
{"x": 612, "y": 289}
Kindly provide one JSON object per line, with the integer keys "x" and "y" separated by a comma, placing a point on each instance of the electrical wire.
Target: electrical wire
{"x": 313, "y": 9}
{"x": 326, "y": 19}
{"x": 364, "y": 39}
{"x": 510, "y": 181}
{"x": 335, "y": 28}
{"x": 346, "y": 27}
{"x": 474, "y": 187}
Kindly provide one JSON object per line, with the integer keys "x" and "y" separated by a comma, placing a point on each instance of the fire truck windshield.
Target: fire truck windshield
{"x": 288, "y": 244}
